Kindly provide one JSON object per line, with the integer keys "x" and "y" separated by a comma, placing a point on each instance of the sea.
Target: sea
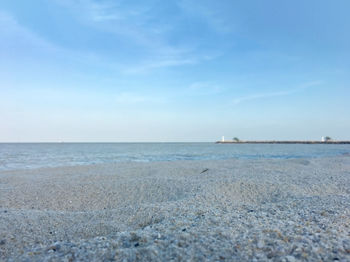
{"x": 37, "y": 155}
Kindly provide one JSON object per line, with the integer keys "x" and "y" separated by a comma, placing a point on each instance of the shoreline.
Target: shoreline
{"x": 283, "y": 142}
{"x": 48, "y": 168}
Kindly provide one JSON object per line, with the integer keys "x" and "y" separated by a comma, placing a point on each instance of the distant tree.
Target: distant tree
{"x": 236, "y": 139}
{"x": 327, "y": 138}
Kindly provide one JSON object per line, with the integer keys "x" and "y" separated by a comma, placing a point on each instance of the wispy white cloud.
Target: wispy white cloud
{"x": 276, "y": 93}
{"x": 22, "y": 39}
{"x": 146, "y": 67}
{"x": 213, "y": 13}
{"x": 139, "y": 25}
{"x": 16, "y": 34}
{"x": 134, "y": 23}
{"x": 173, "y": 58}
{"x": 131, "y": 21}
{"x": 262, "y": 95}
{"x": 104, "y": 11}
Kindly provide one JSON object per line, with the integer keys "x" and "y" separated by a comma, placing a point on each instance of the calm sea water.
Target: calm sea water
{"x": 20, "y": 156}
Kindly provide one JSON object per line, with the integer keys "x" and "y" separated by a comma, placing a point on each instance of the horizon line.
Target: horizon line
{"x": 145, "y": 142}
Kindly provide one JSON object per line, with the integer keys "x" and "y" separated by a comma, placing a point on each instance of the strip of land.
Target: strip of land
{"x": 281, "y": 142}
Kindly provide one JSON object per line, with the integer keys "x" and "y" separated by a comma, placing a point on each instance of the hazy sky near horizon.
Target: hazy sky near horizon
{"x": 89, "y": 70}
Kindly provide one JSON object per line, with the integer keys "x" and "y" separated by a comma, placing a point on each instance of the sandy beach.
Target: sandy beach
{"x": 222, "y": 210}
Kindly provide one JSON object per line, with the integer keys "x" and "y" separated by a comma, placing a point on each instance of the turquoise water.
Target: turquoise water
{"x": 35, "y": 155}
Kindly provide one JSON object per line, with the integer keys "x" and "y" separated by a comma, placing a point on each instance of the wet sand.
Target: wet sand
{"x": 268, "y": 209}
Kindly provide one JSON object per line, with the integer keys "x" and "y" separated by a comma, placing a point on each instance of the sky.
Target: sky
{"x": 171, "y": 71}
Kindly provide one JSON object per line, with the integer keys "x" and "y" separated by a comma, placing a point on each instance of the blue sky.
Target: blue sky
{"x": 88, "y": 70}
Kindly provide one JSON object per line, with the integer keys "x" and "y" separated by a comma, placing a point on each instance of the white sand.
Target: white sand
{"x": 284, "y": 210}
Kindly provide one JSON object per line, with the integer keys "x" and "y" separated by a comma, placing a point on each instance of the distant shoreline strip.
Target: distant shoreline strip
{"x": 282, "y": 142}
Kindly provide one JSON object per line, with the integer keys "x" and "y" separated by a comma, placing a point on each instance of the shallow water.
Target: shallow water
{"x": 35, "y": 155}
